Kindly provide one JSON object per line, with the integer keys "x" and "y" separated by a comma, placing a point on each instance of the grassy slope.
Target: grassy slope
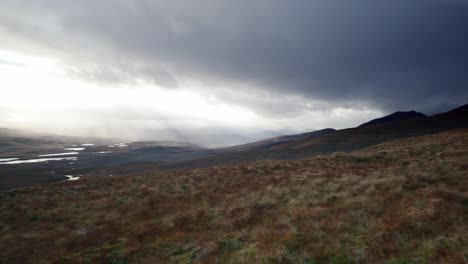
{"x": 403, "y": 201}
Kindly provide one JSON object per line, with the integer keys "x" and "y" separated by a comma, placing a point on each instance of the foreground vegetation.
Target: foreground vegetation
{"x": 404, "y": 201}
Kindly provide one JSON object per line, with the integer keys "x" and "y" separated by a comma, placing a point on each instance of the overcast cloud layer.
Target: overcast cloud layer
{"x": 279, "y": 59}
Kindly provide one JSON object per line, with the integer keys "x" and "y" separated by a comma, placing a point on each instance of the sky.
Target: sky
{"x": 219, "y": 72}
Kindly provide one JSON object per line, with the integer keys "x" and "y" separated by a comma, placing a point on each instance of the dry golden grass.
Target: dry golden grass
{"x": 403, "y": 201}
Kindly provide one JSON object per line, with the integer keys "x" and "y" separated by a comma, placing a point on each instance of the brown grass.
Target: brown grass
{"x": 403, "y": 201}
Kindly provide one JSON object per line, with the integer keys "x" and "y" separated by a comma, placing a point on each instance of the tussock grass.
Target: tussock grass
{"x": 403, "y": 201}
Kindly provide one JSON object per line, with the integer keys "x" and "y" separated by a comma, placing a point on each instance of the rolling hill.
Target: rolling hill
{"x": 138, "y": 157}
{"x": 394, "y": 126}
{"x": 403, "y": 201}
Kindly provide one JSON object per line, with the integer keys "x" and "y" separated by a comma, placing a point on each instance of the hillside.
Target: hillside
{"x": 403, "y": 201}
{"x": 371, "y": 134}
{"x": 397, "y": 116}
{"x": 107, "y": 157}
{"x": 276, "y": 141}
{"x": 328, "y": 141}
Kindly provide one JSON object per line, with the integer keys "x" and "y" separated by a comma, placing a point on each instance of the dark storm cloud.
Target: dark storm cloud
{"x": 392, "y": 55}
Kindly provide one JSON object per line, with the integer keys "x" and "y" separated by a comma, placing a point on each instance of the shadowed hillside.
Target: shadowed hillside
{"x": 328, "y": 141}
{"x": 145, "y": 156}
{"x": 397, "y": 116}
{"x": 384, "y": 129}
{"x": 403, "y": 201}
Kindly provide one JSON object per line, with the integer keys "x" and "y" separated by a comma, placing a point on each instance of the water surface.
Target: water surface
{"x": 36, "y": 160}
{"x": 74, "y": 149}
{"x": 59, "y": 154}
{"x": 71, "y": 178}
{"x": 7, "y": 159}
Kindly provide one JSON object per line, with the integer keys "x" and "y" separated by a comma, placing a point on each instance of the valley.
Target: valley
{"x": 403, "y": 201}
{"x": 42, "y": 160}
{"x": 393, "y": 190}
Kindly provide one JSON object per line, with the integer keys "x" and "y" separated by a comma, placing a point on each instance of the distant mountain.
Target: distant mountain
{"x": 173, "y": 144}
{"x": 211, "y": 137}
{"x": 8, "y": 132}
{"x": 15, "y": 138}
{"x": 278, "y": 141}
{"x": 143, "y": 156}
{"x": 391, "y": 127}
{"x": 395, "y": 126}
{"x": 460, "y": 112}
{"x": 397, "y": 116}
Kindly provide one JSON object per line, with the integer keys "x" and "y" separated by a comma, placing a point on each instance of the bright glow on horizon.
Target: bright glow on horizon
{"x": 38, "y": 86}
{"x": 38, "y": 94}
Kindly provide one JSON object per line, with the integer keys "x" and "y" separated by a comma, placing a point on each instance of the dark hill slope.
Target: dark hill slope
{"x": 278, "y": 141}
{"x": 459, "y": 113}
{"x": 397, "y": 116}
{"x": 313, "y": 143}
{"x": 343, "y": 140}
{"x": 393, "y": 128}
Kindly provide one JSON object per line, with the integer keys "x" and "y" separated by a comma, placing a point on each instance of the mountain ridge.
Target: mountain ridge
{"x": 339, "y": 140}
{"x": 158, "y": 155}
{"x": 399, "y": 115}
